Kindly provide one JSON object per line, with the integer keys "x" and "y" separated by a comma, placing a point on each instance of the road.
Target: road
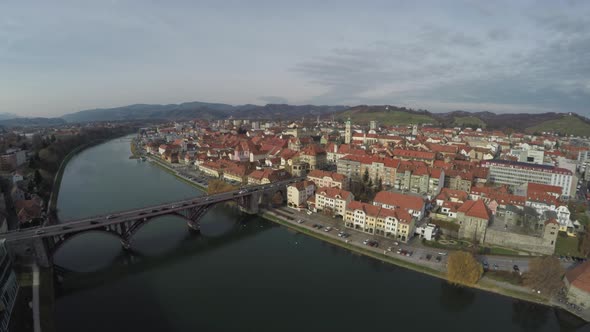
{"x": 420, "y": 252}
{"x": 145, "y": 212}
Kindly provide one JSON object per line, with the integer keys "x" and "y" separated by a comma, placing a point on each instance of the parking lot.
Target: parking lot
{"x": 424, "y": 256}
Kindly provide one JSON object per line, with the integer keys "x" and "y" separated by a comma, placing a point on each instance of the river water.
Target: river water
{"x": 242, "y": 273}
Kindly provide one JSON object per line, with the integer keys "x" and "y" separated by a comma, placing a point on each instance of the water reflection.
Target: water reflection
{"x": 529, "y": 316}
{"x": 455, "y": 298}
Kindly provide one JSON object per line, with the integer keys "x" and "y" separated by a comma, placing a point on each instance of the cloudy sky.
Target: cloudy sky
{"x": 59, "y": 57}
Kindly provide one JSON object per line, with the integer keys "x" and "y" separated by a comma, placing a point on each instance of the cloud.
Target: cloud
{"x": 498, "y": 35}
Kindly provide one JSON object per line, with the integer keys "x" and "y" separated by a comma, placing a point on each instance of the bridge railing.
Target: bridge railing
{"x": 165, "y": 204}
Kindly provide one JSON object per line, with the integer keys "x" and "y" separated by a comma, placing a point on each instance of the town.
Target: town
{"x": 414, "y": 191}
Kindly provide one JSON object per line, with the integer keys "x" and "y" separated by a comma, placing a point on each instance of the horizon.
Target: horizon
{"x": 527, "y": 57}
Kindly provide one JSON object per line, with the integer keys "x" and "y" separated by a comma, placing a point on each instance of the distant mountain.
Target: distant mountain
{"x": 32, "y": 122}
{"x": 386, "y": 115}
{"x": 199, "y": 110}
{"x": 564, "y": 123}
{"x": 6, "y": 116}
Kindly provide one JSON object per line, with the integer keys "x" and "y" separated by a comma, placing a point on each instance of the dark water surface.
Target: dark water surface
{"x": 242, "y": 273}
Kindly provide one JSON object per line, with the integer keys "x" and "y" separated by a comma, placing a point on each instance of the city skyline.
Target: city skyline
{"x": 62, "y": 57}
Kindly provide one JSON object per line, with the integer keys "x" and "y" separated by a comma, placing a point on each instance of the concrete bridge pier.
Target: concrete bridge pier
{"x": 249, "y": 204}
{"x": 126, "y": 244}
{"x": 194, "y": 226}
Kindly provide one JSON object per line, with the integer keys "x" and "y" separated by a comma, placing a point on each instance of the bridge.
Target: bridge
{"x": 41, "y": 243}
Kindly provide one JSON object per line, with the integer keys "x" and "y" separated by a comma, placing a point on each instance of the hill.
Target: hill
{"x": 565, "y": 124}
{"x": 386, "y": 115}
{"x": 199, "y": 110}
{"x": 8, "y": 116}
{"x": 32, "y": 122}
{"x": 469, "y": 121}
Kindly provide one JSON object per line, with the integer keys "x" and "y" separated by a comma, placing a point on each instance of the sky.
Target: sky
{"x": 59, "y": 57}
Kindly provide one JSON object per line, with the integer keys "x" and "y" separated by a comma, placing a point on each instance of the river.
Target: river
{"x": 242, "y": 273}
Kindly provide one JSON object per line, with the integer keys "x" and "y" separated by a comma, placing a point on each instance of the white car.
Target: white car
{"x": 300, "y": 221}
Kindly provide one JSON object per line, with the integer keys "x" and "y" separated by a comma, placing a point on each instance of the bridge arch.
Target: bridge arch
{"x": 63, "y": 239}
{"x": 138, "y": 224}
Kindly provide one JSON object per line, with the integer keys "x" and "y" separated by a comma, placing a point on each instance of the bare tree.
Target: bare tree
{"x": 545, "y": 274}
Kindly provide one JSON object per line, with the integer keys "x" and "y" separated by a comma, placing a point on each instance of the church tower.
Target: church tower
{"x": 348, "y": 132}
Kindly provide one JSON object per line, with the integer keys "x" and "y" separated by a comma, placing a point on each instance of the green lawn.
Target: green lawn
{"x": 567, "y": 246}
{"x": 502, "y": 251}
{"x": 470, "y": 121}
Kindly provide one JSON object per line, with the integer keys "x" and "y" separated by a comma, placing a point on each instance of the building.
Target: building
{"x": 427, "y": 231}
{"x": 332, "y": 200}
{"x": 378, "y": 220}
{"x": 413, "y": 205}
{"x": 529, "y": 156}
{"x": 348, "y": 132}
{"x": 298, "y": 193}
{"x": 577, "y": 283}
{"x": 517, "y": 173}
{"x": 328, "y": 179}
{"x": 267, "y": 175}
{"x": 373, "y": 125}
{"x": 314, "y": 155}
{"x": 473, "y": 218}
{"x": 9, "y": 287}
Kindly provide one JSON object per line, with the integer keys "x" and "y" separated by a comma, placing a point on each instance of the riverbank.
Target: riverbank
{"x": 155, "y": 161}
{"x": 51, "y": 206}
{"x": 485, "y": 284}
{"x": 59, "y": 175}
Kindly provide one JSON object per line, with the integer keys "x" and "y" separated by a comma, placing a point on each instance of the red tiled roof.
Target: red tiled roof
{"x": 402, "y": 201}
{"x": 579, "y": 276}
{"x": 318, "y": 173}
{"x": 333, "y": 192}
{"x": 414, "y": 154}
{"x": 475, "y": 209}
{"x": 542, "y": 188}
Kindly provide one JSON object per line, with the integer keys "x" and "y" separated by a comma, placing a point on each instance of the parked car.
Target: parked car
{"x": 428, "y": 257}
{"x": 327, "y": 229}
{"x": 438, "y": 258}
{"x": 300, "y": 221}
{"x": 516, "y": 268}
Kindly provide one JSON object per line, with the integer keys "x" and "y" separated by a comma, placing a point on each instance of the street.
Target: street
{"x": 420, "y": 252}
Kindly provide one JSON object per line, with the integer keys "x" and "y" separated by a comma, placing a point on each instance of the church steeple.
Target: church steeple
{"x": 348, "y": 132}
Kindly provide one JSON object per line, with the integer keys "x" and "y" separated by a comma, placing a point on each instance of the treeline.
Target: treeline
{"x": 216, "y": 186}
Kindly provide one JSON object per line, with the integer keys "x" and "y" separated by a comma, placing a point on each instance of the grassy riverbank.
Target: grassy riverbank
{"x": 486, "y": 284}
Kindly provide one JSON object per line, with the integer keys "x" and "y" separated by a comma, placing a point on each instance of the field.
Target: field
{"x": 570, "y": 125}
{"x": 387, "y": 118}
{"x": 469, "y": 121}
{"x": 567, "y": 246}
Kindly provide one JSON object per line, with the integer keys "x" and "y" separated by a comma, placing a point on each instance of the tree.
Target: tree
{"x": 37, "y": 178}
{"x": 584, "y": 244}
{"x": 379, "y": 185}
{"x": 545, "y": 274}
{"x": 463, "y": 268}
{"x": 366, "y": 176}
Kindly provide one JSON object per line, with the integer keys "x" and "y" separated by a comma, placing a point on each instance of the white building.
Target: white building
{"x": 298, "y": 193}
{"x": 517, "y": 173}
{"x": 427, "y": 231}
{"x": 333, "y": 199}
